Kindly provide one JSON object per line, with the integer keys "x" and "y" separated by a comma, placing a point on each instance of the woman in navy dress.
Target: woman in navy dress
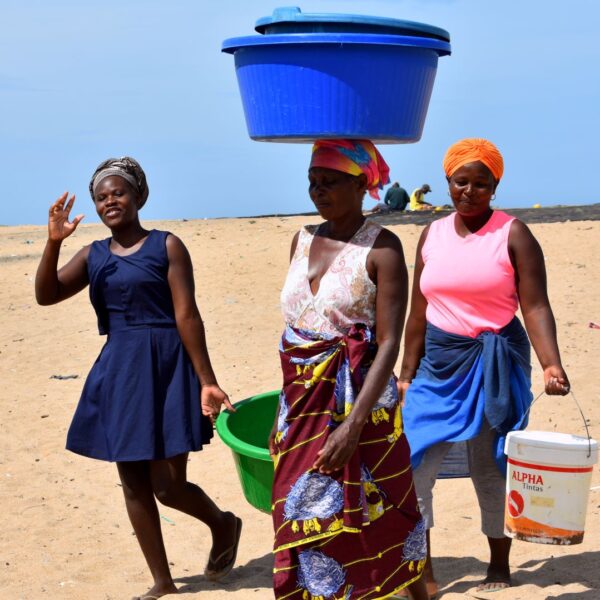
{"x": 151, "y": 395}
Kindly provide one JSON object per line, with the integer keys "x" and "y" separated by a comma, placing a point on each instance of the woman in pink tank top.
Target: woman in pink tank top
{"x": 345, "y": 514}
{"x": 466, "y": 368}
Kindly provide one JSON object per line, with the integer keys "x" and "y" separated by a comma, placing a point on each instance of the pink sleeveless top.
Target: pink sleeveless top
{"x": 346, "y": 294}
{"x": 469, "y": 283}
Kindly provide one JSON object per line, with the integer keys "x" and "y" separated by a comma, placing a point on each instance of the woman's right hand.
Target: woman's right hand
{"x": 59, "y": 227}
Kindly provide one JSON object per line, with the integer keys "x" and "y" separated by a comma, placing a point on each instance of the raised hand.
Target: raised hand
{"x": 59, "y": 226}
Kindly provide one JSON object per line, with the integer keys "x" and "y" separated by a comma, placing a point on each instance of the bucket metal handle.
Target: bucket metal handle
{"x": 587, "y": 431}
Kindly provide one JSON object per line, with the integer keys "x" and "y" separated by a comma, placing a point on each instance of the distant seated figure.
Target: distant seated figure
{"x": 396, "y": 198}
{"x": 417, "y": 198}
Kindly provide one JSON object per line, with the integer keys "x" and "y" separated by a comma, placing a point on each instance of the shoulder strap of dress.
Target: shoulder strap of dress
{"x": 99, "y": 252}
{"x": 157, "y": 235}
{"x": 304, "y": 240}
{"x": 156, "y": 245}
{"x": 370, "y": 233}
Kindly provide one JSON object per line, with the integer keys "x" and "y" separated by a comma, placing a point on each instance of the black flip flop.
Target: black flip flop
{"x": 216, "y": 575}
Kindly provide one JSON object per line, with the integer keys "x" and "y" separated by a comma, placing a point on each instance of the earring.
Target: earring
{"x": 493, "y": 197}
{"x": 448, "y": 192}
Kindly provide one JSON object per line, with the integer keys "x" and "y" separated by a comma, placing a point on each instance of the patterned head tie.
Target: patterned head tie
{"x": 353, "y": 157}
{"x": 472, "y": 150}
{"x": 127, "y": 168}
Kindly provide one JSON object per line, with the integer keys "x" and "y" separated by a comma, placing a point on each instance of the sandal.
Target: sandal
{"x": 216, "y": 574}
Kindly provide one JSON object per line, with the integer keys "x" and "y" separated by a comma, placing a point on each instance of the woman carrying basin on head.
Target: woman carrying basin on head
{"x": 345, "y": 514}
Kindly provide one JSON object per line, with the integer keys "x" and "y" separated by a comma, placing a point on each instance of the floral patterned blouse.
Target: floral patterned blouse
{"x": 346, "y": 294}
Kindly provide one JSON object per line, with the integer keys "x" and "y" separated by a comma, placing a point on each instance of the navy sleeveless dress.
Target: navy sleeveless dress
{"x": 141, "y": 400}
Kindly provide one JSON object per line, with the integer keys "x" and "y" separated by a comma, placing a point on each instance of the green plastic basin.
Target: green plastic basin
{"x": 246, "y": 432}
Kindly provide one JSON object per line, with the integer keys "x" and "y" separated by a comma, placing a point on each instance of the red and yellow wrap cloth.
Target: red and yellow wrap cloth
{"x": 356, "y": 533}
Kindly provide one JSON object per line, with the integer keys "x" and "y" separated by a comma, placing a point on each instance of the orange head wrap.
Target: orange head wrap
{"x": 471, "y": 150}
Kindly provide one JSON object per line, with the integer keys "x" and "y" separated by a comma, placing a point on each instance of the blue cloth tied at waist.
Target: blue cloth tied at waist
{"x": 463, "y": 382}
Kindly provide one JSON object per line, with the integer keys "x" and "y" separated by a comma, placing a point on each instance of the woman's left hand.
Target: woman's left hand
{"x": 402, "y": 389}
{"x": 556, "y": 381}
{"x": 338, "y": 449}
{"x": 212, "y": 397}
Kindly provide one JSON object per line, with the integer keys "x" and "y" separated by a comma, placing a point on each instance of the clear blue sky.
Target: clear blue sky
{"x": 84, "y": 80}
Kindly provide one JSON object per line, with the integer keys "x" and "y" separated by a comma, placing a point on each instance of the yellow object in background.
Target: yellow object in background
{"x": 537, "y": 206}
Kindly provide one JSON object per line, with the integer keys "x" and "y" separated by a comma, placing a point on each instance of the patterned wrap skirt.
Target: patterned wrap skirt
{"x": 356, "y": 533}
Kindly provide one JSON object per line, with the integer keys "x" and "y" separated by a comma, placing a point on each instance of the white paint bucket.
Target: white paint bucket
{"x": 547, "y": 486}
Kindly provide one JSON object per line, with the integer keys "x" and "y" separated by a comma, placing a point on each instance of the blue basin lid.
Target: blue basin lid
{"x": 291, "y": 19}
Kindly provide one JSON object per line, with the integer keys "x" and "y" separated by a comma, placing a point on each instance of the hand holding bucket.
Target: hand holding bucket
{"x": 547, "y": 484}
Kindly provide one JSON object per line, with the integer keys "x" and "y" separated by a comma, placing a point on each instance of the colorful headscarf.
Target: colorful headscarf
{"x": 472, "y": 150}
{"x": 126, "y": 167}
{"x": 353, "y": 157}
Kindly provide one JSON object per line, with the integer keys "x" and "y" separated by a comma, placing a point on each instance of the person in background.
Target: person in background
{"x": 417, "y": 198}
{"x": 151, "y": 395}
{"x": 396, "y": 199}
{"x": 466, "y": 372}
{"x": 345, "y": 514}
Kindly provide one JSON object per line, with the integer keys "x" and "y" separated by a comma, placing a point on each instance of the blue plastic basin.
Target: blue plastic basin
{"x": 319, "y": 82}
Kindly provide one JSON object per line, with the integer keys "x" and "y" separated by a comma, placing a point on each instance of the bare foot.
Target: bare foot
{"x": 432, "y": 589}
{"x": 431, "y": 586}
{"x": 497, "y": 579}
{"x": 157, "y": 591}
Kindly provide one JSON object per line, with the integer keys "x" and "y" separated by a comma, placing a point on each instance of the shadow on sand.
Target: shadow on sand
{"x": 562, "y": 570}
{"x": 542, "y": 573}
{"x": 254, "y": 575}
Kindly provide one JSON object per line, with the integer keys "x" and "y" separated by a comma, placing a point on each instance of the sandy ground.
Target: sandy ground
{"x": 64, "y": 533}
